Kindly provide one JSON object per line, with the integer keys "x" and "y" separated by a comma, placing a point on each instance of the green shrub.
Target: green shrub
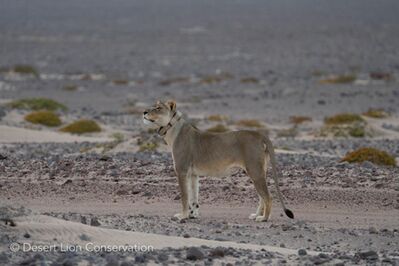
{"x": 370, "y": 154}
{"x": 344, "y": 118}
{"x": 46, "y": 118}
{"x": 37, "y": 104}
{"x": 82, "y": 126}
{"x": 26, "y": 70}
{"x": 148, "y": 146}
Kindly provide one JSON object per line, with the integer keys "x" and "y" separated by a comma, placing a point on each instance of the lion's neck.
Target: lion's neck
{"x": 173, "y": 132}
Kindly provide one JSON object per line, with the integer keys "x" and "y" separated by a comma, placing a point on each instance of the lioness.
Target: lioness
{"x": 202, "y": 153}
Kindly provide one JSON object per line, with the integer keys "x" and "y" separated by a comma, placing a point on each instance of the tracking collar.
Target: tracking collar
{"x": 163, "y": 130}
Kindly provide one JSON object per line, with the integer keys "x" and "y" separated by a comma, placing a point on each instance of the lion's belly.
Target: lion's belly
{"x": 215, "y": 170}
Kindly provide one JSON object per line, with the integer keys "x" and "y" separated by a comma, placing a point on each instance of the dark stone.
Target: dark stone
{"x": 195, "y": 253}
{"x": 94, "y": 222}
{"x": 217, "y": 252}
{"x": 367, "y": 255}
{"x": 302, "y": 252}
{"x": 139, "y": 259}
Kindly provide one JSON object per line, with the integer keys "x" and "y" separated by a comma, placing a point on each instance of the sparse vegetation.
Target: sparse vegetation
{"x": 356, "y": 130}
{"x": 70, "y": 87}
{"x": 249, "y": 123}
{"x": 217, "y": 118}
{"x": 219, "y": 128}
{"x": 252, "y": 80}
{"x": 82, "y": 126}
{"x": 120, "y": 82}
{"x": 212, "y": 79}
{"x": 299, "y": 119}
{"x": 370, "y": 154}
{"x": 343, "y": 118}
{"x": 37, "y": 104}
{"x": 148, "y": 146}
{"x": 291, "y": 132}
{"x": 341, "y": 79}
{"x": 168, "y": 82}
{"x": 26, "y": 70}
{"x": 381, "y": 76}
{"x": 376, "y": 113}
{"x": 46, "y": 118}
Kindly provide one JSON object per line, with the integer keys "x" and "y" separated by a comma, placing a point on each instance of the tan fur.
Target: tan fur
{"x": 213, "y": 154}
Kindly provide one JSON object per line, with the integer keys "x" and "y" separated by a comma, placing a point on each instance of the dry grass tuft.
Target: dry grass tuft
{"x": 82, "y": 126}
{"x": 219, "y": 128}
{"x": 217, "y": 118}
{"x": 343, "y": 118}
{"x": 120, "y": 82}
{"x": 341, "y": 79}
{"x": 299, "y": 119}
{"x": 370, "y": 154}
{"x": 249, "y": 123}
{"x": 213, "y": 79}
{"x": 376, "y": 113}
{"x": 46, "y": 118}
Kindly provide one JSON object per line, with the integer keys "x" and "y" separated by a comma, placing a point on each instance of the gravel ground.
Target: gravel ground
{"x": 252, "y": 60}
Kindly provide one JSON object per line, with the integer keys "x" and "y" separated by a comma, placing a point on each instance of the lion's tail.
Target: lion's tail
{"x": 270, "y": 150}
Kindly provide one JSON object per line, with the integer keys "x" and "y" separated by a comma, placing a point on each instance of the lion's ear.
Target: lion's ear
{"x": 172, "y": 105}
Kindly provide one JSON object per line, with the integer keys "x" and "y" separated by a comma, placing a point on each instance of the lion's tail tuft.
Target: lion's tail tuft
{"x": 289, "y": 213}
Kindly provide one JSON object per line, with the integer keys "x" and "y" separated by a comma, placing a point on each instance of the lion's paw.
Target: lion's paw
{"x": 194, "y": 213}
{"x": 253, "y": 216}
{"x": 261, "y": 218}
{"x": 180, "y": 216}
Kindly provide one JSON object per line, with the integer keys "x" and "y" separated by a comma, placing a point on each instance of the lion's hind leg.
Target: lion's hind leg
{"x": 259, "y": 210}
{"x": 258, "y": 176}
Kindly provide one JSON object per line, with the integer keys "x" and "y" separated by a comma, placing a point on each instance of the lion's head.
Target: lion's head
{"x": 160, "y": 114}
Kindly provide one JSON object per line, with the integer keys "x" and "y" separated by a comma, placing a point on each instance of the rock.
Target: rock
{"x": 373, "y": 230}
{"x": 27, "y": 235}
{"x": 217, "y": 252}
{"x": 186, "y": 235}
{"x": 83, "y": 219}
{"x": 163, "y": 257}
{"x": 3, "y": 157}
{"x": 367, "y": 255}
{"x": 127, "y": 263}
{"x": 195, "y": 253}
{"x": 94, "y": 222}
{"x": 84, "y": 237}
{"x": 112, "y": 260}
{"x": 302, "y": 252}
{"x": 282, "y": 245}
{"x": 139, "y": 259}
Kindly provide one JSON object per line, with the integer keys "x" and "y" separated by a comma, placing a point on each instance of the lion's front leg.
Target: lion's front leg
{"x": 194, "y": 206}
{"x": 185, "y": 195}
